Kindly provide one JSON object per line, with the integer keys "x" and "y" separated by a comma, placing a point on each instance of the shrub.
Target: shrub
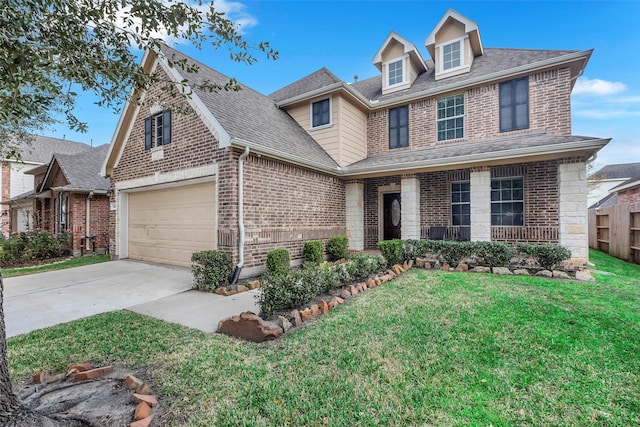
{"x": 547, "y": 255}
{"x": 392, "y": 251}
{"x": 211, "y": 269}
{"x": 278, "y": 261}
{"x": 281, "y": 291}
{"x": 312, "y": 251}
{"x": 492, "y": 254}
{"x": 337, "y": 247}
{"x": 32, "y": 245}
{"x": 362, "y": 265}
{"x": 454, "y": 252}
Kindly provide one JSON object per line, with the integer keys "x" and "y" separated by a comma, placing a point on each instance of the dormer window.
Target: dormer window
{"x": 321, "y": 113}
{"x": 396, "y": 76}
{"x": 451, "y": 55}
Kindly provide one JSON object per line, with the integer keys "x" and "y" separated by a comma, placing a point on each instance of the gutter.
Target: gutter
{"x": 375, "y": 104}
{"x": 236, "y": 272}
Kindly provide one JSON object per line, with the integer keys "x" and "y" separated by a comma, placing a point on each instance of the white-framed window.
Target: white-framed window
{"x": 461, "y": 204}
{"x": 157, "y": 130}
{"x": 395, "y": 70}
{"x": 321, "y": 113}
{"x": 451, "y": 55}
{"x": 450, "y": 117}
{"x": 507, "y": 201}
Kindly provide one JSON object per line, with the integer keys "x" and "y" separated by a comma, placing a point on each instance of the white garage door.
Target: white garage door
{"x": 170, "y": 224}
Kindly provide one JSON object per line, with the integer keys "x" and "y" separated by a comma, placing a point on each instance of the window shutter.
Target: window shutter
{"x": 166, "y": 127}
{"x": 147, "y": 133}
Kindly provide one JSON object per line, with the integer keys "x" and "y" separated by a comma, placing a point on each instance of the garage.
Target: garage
{"x": 168, "y": 225}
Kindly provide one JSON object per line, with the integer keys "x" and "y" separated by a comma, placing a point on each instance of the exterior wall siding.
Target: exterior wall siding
{"x": 549, "y": 110}
{"x": 629, "y": 196}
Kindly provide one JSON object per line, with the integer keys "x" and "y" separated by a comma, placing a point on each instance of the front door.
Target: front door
{"x": 392, "y": 217}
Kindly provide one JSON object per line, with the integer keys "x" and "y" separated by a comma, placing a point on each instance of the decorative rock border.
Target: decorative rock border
{"x": 252, "y": 327}
{"x": 224, "y": 291}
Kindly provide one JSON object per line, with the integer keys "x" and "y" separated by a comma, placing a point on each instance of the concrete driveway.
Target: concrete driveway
{"x": 46, "y": 299}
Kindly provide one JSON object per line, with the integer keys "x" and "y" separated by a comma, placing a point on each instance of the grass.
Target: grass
{"x": 70, "y": 263}
{"x": 430, "y": 348}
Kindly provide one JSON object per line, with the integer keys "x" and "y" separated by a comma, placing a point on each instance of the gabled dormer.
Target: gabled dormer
{"x": 400, "y": 63}
{"x": 453, "y": 44}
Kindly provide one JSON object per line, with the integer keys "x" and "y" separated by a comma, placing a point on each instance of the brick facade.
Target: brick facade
{"x": 629, "y": 196}
{"x": 549, "y": 110}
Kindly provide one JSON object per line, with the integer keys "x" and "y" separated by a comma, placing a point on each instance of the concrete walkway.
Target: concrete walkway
{"x": 46, "y": 299}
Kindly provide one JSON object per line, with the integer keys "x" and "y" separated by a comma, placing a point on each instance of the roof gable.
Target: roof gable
{"x": 408, "y": 48}
{"x": 314, "y": 81}
{"x": 81, "y": 171}
{"x": 470, "y": 27}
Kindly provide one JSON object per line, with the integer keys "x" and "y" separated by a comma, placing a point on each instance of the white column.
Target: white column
{"x": 355, "y": 215}
{"x": 573, "y": 210}
{"x": 410, "y": 208}
{"x": 480, "y": 185}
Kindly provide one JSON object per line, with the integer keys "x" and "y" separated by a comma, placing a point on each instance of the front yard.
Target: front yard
{"x": 430, "y": 348}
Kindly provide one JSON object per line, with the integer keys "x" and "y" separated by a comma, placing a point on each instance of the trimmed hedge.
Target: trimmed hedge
{"x": 547, "y": 255}
{"x": 392, "y": 251}
{"x": 338, "y": 247}
{"x": 211, "y": 269}
{"x": 312, "y": 251}
{"x": 290, "y": 290}
{"x": 278, "y": 261}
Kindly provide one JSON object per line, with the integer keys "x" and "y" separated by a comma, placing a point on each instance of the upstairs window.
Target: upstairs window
{"x": 399, "y": 127}
{"x": 507, "y": 201}
{"x": 395, "y": 73}
{"x": 451, "y": 118}
{"x": 321, "y": 113}
{"x": 514, "y": 105}
{"x": 157, "y": 130}
{"x": 451, "y": 55}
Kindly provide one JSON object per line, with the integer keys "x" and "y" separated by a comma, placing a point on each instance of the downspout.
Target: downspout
{"x": 236, "y": 273}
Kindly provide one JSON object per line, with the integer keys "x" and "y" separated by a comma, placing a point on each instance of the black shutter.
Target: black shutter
{"x": 147, "y": 133}
{"x": 166, "y": 127}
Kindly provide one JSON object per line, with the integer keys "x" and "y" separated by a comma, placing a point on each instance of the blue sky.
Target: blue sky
{"x": 343, "y": 36}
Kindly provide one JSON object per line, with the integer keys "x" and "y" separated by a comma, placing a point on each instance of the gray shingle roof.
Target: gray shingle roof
{"x": 83, "y": 169}
{"x": 618, "y": 171}
{"x": 319, "y": 79}
{"x": 42, "y": 148}
{"x": 253, "y": 117}
{"x": 608, "y": 200}
{"x": 464, "y": 151}
{"x": 493, "y": 60}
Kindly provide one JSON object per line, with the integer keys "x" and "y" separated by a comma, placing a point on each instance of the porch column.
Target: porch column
{"x": 573, "y": 210}
{"x": 480, "y": 186}
{"x": 355, "y": 215}
{"x": 410, "y": 207}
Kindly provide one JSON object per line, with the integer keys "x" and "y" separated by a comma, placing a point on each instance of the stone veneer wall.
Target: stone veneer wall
{"x": 573, "y": 209}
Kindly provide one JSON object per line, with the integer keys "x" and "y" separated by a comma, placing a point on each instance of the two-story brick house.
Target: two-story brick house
{"x": 474, "y": 143}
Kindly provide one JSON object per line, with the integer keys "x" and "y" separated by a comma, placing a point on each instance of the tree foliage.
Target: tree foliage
{"x": 52, "y": 50}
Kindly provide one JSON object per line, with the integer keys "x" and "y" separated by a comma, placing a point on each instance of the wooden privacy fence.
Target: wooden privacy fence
{"x": 616, "y": 231}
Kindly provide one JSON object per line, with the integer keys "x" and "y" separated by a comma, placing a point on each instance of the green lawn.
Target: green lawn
{"x": 430, "y": 348}
{"x": 70, "y": 263}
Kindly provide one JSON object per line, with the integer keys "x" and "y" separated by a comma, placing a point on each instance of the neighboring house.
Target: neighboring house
{"x": 71, "y": 195}
{"x": 14, "y": 179}
{"x": 605, "y": 179}
{"x": 473, "y": 144}
{"x": 628, "y": 191}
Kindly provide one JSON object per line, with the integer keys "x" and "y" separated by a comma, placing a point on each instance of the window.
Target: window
{"x": 451, "y": 55}
{"x": 63, "y": 212}
{"x": 451, "y": 118}
{"x": 157, "y": 130}
{"x": 514, "y": 105}
{"x": 394, "y": 71}
{"x": 321, "y": 113}
{"x": 507, "y": 201}
{"x": 461, "y": 204}
{"x": 399, "y": 127}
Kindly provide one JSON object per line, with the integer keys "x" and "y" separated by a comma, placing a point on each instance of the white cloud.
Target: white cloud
{"x": 586, "y": 86}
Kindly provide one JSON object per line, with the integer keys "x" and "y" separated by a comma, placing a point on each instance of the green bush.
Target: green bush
{"x": 337, "y": 247}
{"x": 492, "y": 254}
{"x": 361, "y": 265}
{"x": 547, "y": 255}
{"x": 23, "y": 247}
{"x": 392, "y": 251}
{"x": 278, "y": 261}
{"x": 211, "y": 269}
{"x": 312, "y": 251}
{"x": 454, "y": 252}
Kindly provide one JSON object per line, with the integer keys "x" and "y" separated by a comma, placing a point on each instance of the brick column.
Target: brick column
{"x": 355, "y": 214}
{"x": 573, "y": 210}
{"x": 480, "y": 185}
{"x": 410, "y": 207}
